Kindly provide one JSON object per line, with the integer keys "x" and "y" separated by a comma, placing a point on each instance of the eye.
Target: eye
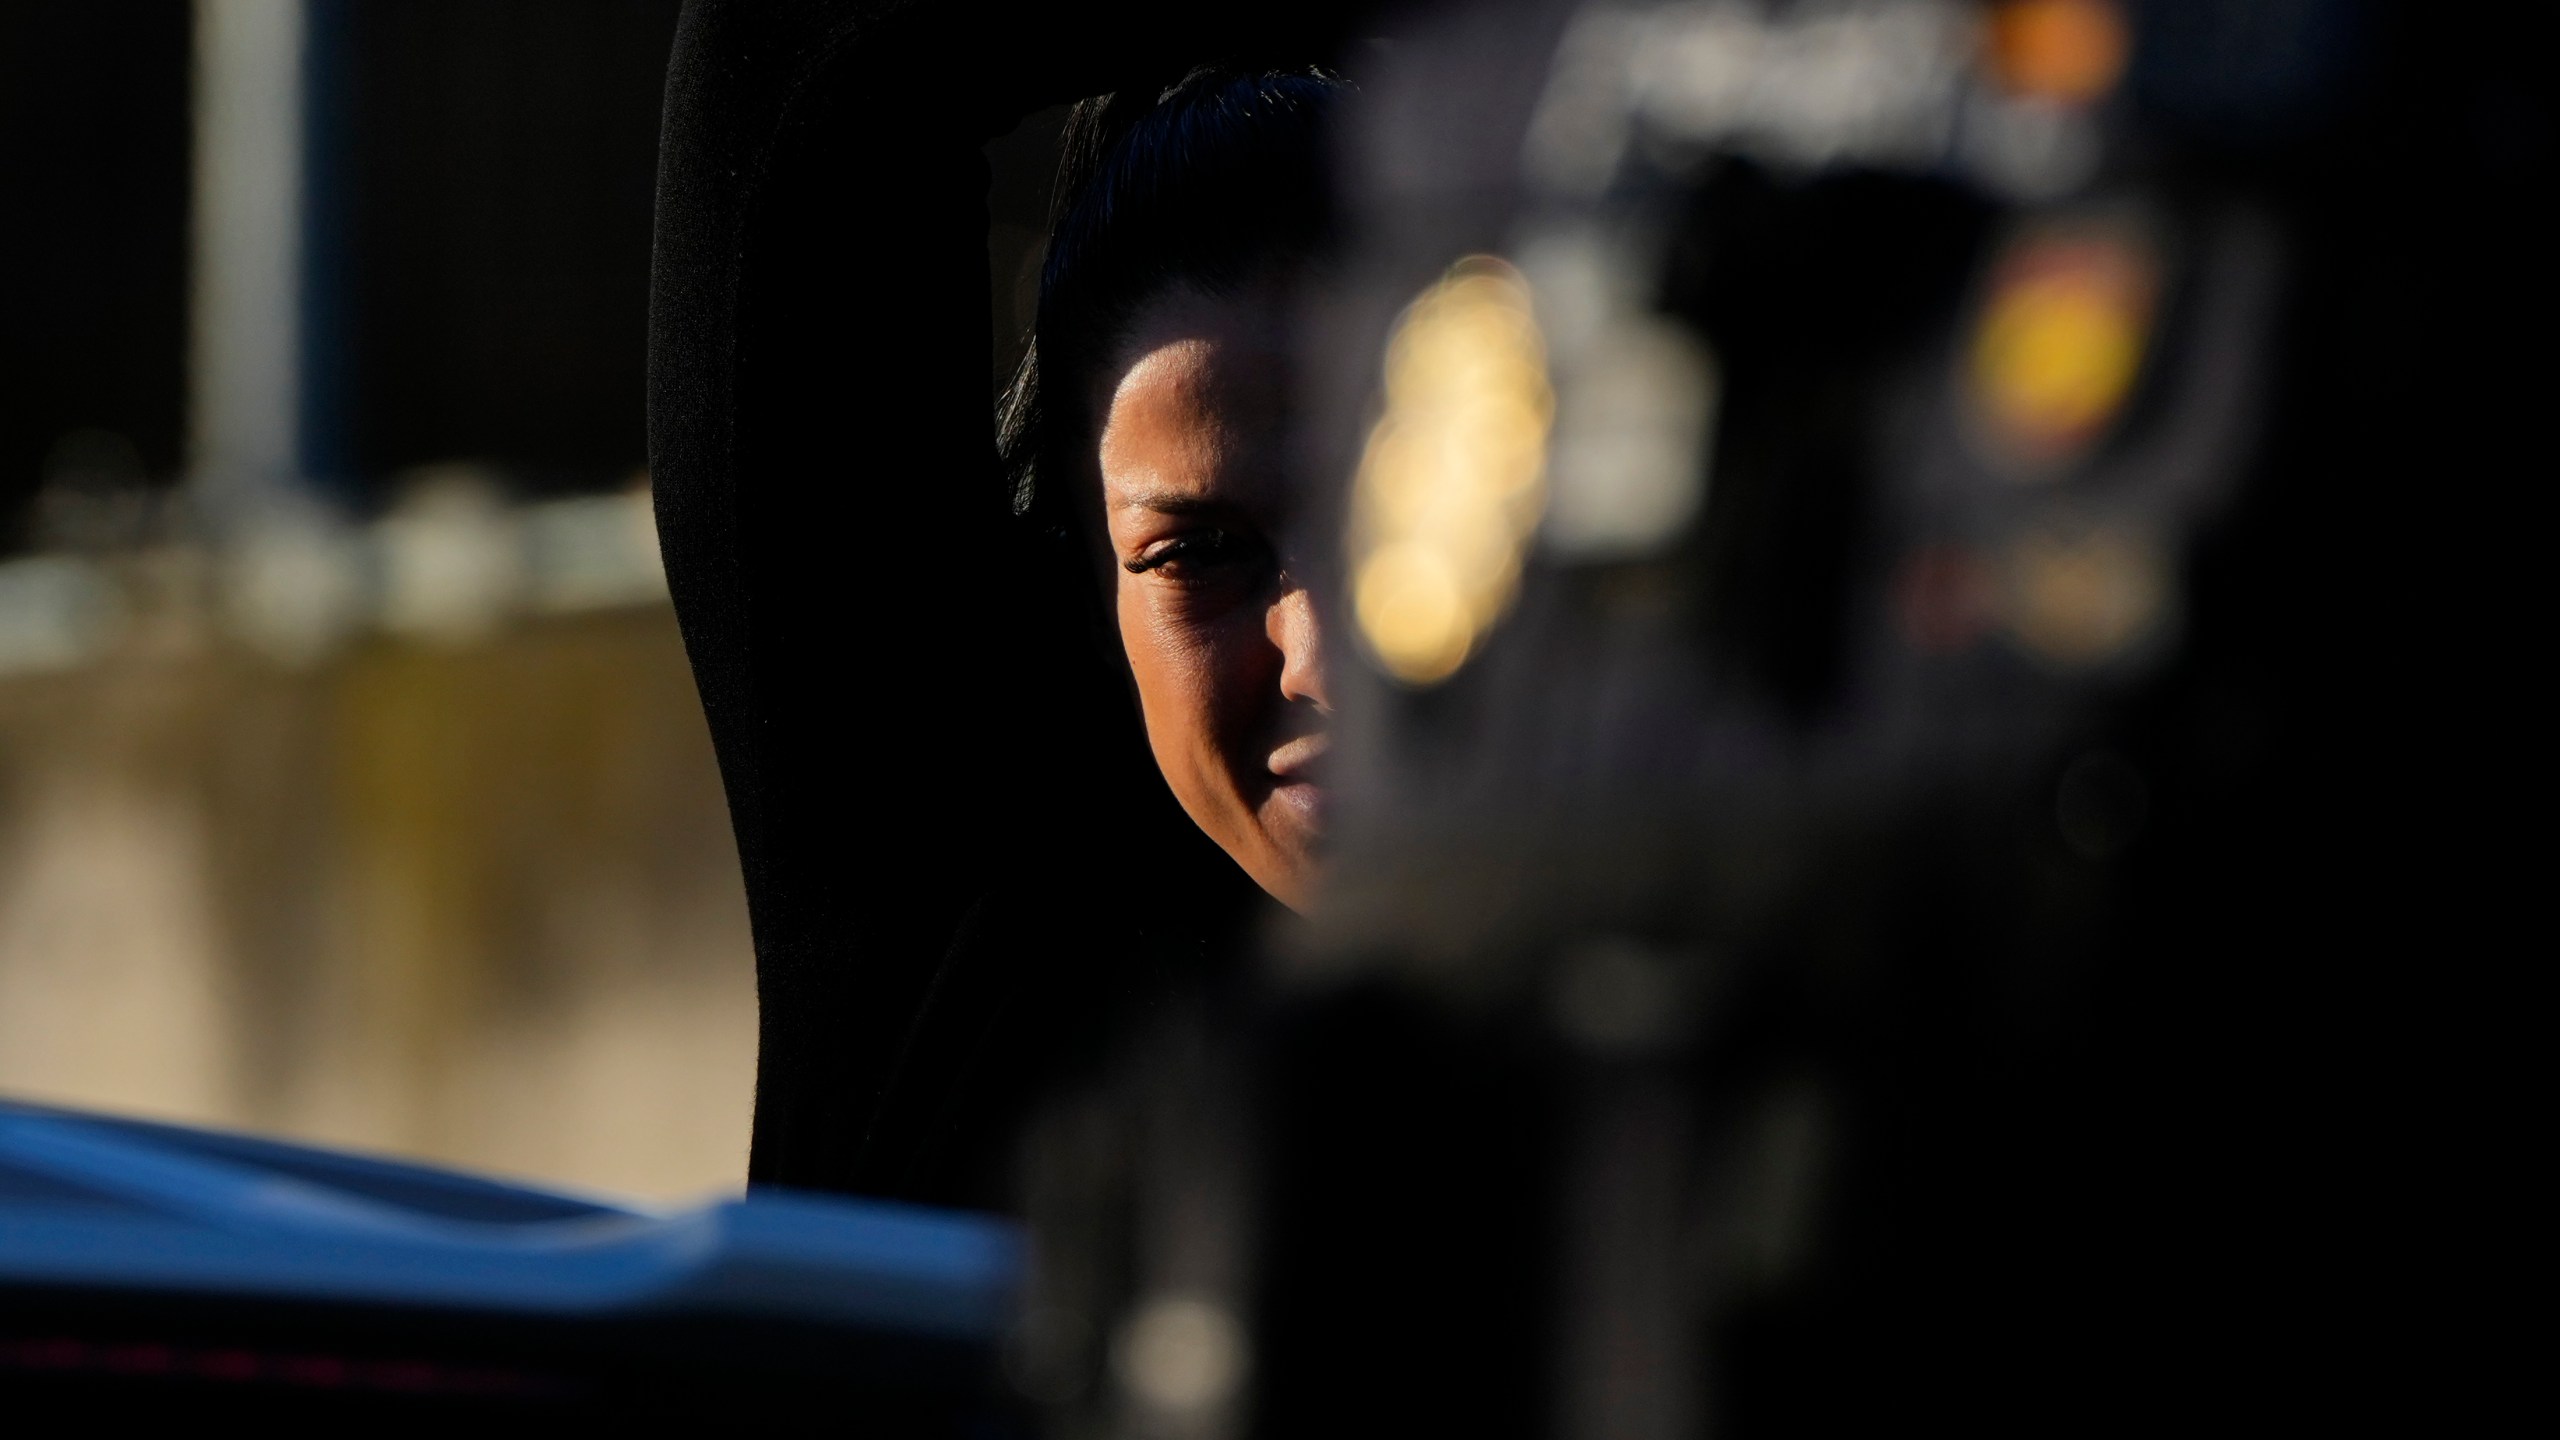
{"x": 1201, "y": 556}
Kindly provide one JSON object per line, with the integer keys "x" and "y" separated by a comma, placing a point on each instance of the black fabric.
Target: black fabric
{"x": 957, "y": 853}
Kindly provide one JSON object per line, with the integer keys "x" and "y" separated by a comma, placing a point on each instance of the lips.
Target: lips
{"x": 1298, "y": 762}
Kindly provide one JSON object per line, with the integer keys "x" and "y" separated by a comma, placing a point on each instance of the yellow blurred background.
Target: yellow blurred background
{"x": 470, "y": 898}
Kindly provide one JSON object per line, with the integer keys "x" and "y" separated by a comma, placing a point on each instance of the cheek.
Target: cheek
{"x": 1203, "y": 676}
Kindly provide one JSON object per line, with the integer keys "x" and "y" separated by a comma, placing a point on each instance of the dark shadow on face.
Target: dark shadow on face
{"x": 1221, "y": 632}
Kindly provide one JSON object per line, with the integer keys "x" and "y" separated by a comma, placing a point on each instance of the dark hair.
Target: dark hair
{"x": 1204, "y": 183}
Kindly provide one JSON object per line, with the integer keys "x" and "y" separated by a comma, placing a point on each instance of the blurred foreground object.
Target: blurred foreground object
{"x": 1864, "y": 792}
{"x": 149, "y": 1270}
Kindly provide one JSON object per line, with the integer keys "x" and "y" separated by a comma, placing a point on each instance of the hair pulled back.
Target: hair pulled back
{"x": 1206, "y": 183}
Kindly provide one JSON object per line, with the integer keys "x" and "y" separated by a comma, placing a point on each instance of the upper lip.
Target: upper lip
{"x": 1298, "y": 759}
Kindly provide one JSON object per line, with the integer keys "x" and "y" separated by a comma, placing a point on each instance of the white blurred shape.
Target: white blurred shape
{"x": 1582, "y": 124}
{"x": 596, "y": 552}
{"x": 452, "y": 555}
{"x": 1181, "y": 1354}
{"x": 243, "y": 372}
{"x": 1896, "y": 84}
{"x": 56, "y": 611}
{"x": 2032, "y": 149}
{"x": 1629, "y": 471}
{"x": 1579, "y": 279}
{"x": 293, "y": 587}
{"x": 1806, "y": 86}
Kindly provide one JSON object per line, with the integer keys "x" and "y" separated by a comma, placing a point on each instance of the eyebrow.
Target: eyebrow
{"x": 1175, "y": 502}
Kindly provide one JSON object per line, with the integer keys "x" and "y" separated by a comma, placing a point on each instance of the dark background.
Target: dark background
{"x": 493, "y": 163}
{"x": 477, "y": 242}
{"x": 93, "y": 185}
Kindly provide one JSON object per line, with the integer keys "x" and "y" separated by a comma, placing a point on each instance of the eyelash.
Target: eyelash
{"x": 1200, "y": 547}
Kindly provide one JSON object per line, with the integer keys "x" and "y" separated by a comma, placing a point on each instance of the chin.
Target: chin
{"x": 1288, "y": 870}
{"x": 1293, "y": 886}
{"x": 1276, "y": 841}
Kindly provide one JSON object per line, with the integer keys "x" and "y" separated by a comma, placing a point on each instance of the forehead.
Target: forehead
{"x": 1194, "y": 399}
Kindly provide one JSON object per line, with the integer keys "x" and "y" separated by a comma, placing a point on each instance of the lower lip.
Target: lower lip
{"x": 1302, "y": 796}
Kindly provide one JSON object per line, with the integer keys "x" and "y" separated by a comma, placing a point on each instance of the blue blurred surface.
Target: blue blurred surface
{"x": 102, "y": 1204}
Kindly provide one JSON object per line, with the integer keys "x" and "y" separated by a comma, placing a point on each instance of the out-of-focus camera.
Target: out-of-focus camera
{"x": 1804, "y": 482}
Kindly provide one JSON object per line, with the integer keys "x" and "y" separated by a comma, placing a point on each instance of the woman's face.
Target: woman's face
{"x": 1221, "y": 634}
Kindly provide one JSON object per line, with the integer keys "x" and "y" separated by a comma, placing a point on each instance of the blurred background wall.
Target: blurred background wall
{"x": 352, "y": 782}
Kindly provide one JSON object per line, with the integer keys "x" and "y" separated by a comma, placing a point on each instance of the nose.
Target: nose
{"x": 1294, "y": 630}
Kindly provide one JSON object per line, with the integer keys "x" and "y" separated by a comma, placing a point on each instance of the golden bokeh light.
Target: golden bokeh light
{"x": 2060, "y": 345}
{"x": 1453, "y": 479}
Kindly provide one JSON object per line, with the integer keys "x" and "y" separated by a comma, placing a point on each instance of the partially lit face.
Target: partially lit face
{"x": 1221, "y": 634}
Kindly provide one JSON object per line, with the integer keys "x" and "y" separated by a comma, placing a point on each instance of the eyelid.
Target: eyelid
{"x": 1173, "y": 547}
{"x": 1154, "y": 555}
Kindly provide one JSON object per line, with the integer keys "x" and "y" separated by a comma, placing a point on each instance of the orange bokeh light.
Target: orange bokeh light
{"x": 2071, "y": 52}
